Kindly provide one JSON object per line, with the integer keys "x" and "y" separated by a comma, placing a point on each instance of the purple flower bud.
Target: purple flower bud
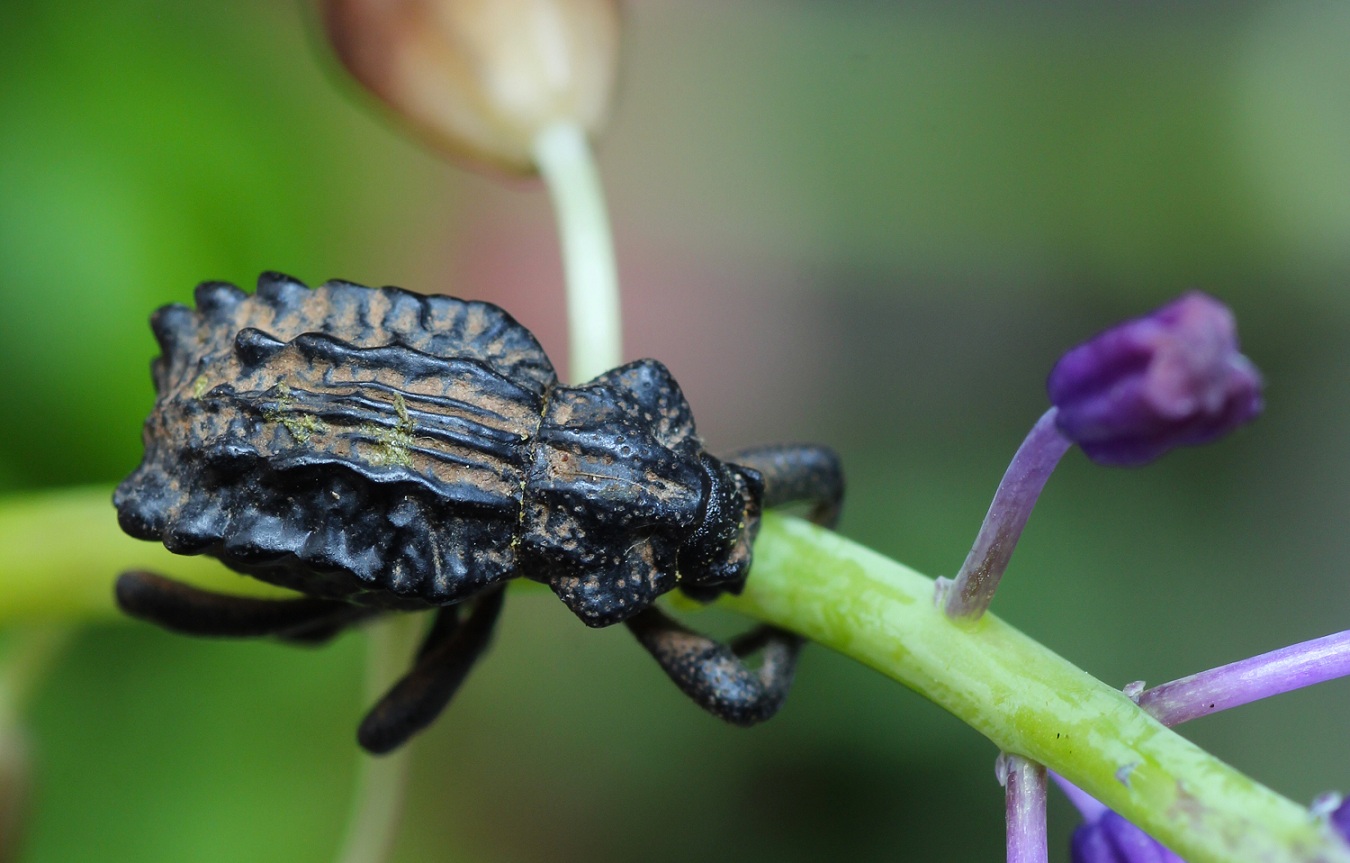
{"x": 1171, "y": 378}
{"x": 1111, "y": 839}
{"x": 1340, "y": 819}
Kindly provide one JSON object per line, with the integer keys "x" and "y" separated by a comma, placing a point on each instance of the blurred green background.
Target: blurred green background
{"x": 874, "y": 224}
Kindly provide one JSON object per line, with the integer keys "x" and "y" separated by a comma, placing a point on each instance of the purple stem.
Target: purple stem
{"x": 1248, "y": 680}
{"x": 1088, "y": 806}
{"x": 1231, "y": 685}
{"x": 969, "y": 595}
{"x": 1025, "y": 786}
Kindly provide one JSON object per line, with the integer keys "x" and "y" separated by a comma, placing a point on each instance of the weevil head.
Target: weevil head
{"x": 715, "y": 558}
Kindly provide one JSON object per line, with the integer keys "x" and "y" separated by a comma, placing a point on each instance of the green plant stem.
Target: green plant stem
{"x": 1023, "y": 697}
{"x": 59, "y": 552}
{"x": 377, "y": 803}
{"x": 594, "y": 336}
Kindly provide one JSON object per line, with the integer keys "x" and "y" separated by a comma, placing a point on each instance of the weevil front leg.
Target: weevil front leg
{"x": 798, "y": 473}
{"x": 451, "y": 648}
{"x": 189, "y": 610}
{"x": 713, "y": 674}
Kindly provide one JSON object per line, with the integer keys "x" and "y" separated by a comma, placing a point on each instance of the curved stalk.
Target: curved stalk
{"x": 378, "y": 801}
{"x": 594, "y": 334}
{"x": 1024, "y": 698}
{"x": 969, "y": 594}
{"x": 1019, "y": 694}
{"x": 29, "y": 652}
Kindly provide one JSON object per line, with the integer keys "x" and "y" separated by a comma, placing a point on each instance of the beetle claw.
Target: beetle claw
{"x": 712, "y": 673}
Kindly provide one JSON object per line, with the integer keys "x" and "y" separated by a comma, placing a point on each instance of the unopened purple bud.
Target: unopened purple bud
{"x": 1111, "y": 839}
{"x": 1173, "y": 377}
{"x": 1340, "y": 819}
{"x": 1334, "y": 809}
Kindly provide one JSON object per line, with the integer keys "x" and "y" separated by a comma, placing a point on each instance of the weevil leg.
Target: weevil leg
{"x": 325, "y": 628}
{"x": 450, "y": 650}
{"x": 713, "y": 674}
{"x": 798, "y": 473}
{"x": 190, "y": 610}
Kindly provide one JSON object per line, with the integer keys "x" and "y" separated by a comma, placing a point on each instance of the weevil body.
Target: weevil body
{"x": 376, "y": 449}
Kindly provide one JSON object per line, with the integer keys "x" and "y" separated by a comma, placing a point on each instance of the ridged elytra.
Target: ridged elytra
{"x": 378, "y": 450}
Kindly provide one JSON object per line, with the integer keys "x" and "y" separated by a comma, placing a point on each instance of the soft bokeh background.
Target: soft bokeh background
{"x": 869, "y": 223}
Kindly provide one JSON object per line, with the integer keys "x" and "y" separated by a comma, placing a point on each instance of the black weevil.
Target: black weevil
{"x": 377, "y": 450}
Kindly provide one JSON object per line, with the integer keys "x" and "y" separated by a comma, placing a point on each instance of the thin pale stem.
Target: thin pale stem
{"x": 29, "y": 654}
{"x": 1249, "y": 680}
{"x": 563, "y": 155}
{"x": 15, "y": 789}
{"x": 378, "y": 800}
{"x": 1024, "y": 787}
{"x": 969, "y": 595}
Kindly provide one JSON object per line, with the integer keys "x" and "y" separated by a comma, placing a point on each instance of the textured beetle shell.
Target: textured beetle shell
{"x": 617, "y": 487}
{"x": 399, "y": 450}
{"x": 390, "y": 458}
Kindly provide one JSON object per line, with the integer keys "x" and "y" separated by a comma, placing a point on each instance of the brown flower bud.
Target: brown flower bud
{"x": 482, "y": 78}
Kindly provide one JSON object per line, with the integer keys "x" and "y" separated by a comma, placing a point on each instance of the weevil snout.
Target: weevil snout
{"x": 717, "y": 553}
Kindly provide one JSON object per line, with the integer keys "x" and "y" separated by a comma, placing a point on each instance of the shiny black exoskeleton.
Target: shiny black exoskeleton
{"x": 378, "y": 450}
